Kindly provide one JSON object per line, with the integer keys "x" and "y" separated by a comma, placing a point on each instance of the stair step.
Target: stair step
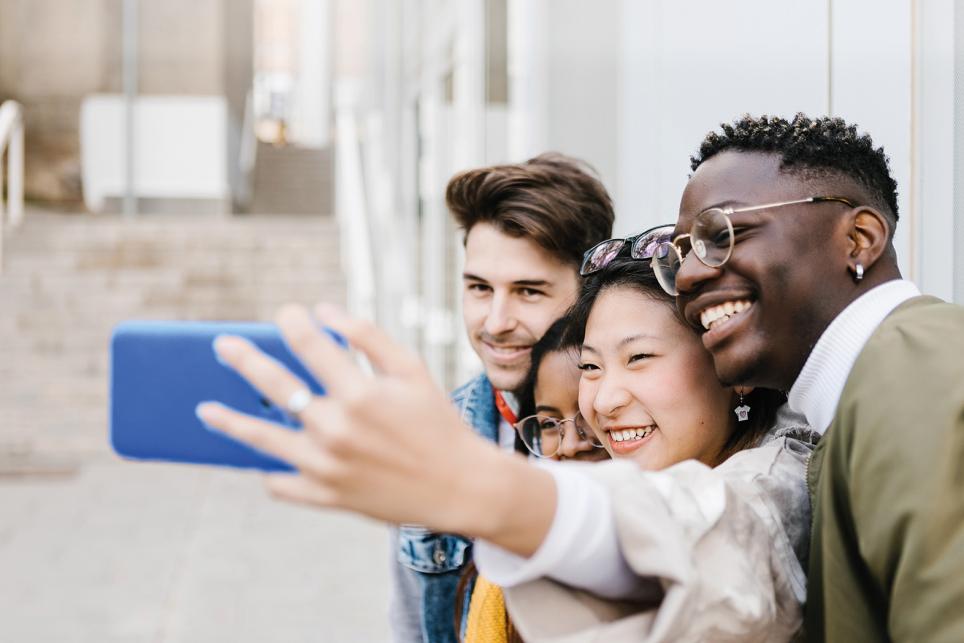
{"x": 68, "y": 279}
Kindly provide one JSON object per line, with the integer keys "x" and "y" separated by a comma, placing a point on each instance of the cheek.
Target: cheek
{"x": 708, "y": 425}
{"x": 587, "y": 395}
{"x": 780, "y": 283}
{"x": 692, "y": 397}
{"x": 538, "y": 317}
{"x": 473, "y": 311}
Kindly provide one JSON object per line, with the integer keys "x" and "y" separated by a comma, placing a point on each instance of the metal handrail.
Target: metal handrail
{"x": 11, "y": 138}
{"x": 351, "y": 209}
{"x": 247, "y": 154}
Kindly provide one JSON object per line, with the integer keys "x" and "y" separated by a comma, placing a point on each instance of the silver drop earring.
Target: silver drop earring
{"x": 858, "y": 271}
{"x": 742, "y": 411}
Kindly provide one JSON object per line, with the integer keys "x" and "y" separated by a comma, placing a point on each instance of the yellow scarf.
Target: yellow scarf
{"x": 487, "y": 618}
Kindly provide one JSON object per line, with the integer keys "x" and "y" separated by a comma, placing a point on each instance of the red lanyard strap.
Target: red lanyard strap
{"x": 504, "y": 409}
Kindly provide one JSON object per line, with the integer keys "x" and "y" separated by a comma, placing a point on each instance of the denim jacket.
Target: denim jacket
{"x": 426, "y": 565}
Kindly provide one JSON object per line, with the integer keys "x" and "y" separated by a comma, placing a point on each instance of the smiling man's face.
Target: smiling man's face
{"x": 512, "y": 291}
{"x": 788, "y": 264}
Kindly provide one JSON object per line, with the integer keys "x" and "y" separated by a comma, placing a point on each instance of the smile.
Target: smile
{"x": 625, "y": 441}
{"x": 506, "y": 354}
{"x": 721, "y": 313}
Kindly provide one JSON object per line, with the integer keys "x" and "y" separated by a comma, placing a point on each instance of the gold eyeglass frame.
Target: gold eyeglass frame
{"x": 700, "y": 249}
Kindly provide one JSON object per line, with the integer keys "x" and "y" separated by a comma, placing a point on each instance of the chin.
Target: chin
{"x": 503, "y": 379}
{"x": 736, "y": 370}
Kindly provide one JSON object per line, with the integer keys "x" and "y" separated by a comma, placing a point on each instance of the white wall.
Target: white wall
{"x": 634, "y": 86}
{"x": 180, "y": 149}
{"x": 687, "y": 67}
{"x": 311, "y": 104}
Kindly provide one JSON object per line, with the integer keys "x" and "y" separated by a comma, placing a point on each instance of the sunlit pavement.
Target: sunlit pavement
{"x": 123, "y": 551}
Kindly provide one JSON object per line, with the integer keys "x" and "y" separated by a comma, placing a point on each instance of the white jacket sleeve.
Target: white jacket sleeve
{"x": 727, "y": 545}
{"x": 581, "y": 548}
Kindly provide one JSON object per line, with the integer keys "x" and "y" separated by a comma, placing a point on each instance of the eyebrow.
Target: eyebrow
{"x": 633, "y": 338}
{"x": 529, "y": 283}
{"x": 547, "y": 409}
{"x": 723, "y": 204}
{"x": 623, "y": 341}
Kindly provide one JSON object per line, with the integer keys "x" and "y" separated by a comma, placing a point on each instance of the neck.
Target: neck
{"x": 847, "y": 293}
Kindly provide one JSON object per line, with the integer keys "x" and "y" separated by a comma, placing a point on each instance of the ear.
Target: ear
{"x": 868, "y": 236}
{"x": 743, "y": 390}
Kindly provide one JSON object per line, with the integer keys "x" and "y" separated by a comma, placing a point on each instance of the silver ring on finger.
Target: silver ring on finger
{"x": 299, "y": 401}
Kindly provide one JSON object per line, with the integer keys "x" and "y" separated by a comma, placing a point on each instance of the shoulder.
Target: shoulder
{"x": 475, "y": 401}
{"x": 910, "y": 370}
{"x": 776, "y": 471}
{"x": 782, "y": 452}
{"x": 475, "y": 387}
{"x": 922, "y": 330}
{"x": 920, "y": 323}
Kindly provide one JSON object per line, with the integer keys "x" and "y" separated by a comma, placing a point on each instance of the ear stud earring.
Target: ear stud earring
{"x": 858, "y": 271}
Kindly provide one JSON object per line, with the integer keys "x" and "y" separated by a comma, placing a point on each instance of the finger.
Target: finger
{"x": 384, "y": 353}
{"x": 267, "y": 437}
{"x": 300, "y": 490}
{"x": 332, "y": 365}
{"x": 264, "y": 372}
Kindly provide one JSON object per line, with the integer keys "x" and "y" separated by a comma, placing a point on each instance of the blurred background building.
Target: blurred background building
{"x": 210, "y": 159}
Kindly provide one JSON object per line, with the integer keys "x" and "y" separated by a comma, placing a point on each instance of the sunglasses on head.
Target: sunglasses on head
{"x": 641, "y": 246}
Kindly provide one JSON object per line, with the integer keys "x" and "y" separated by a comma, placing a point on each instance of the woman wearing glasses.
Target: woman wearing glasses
{"x": 713, "y": 520}
{"x": 698, "y": 531}
{"x": 551, "y": 426}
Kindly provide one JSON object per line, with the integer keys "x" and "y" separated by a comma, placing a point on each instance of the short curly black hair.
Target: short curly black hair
{"x": 824, "y": 144}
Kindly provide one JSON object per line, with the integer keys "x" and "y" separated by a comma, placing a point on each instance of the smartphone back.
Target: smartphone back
{"x": 161, "y": 371}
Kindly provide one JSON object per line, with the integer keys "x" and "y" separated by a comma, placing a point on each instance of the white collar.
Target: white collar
{"x": 511, "y": 400}
{"x": 817, "y": 389}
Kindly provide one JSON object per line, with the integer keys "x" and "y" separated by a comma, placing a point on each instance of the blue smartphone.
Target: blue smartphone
{"x": 161, "y": 370}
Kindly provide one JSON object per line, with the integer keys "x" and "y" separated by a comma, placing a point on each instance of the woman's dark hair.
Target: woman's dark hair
{"x": 638, "y": 275}
{"x": 552, "y": 341}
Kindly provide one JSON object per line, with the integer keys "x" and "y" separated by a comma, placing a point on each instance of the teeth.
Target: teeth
{"x": 722, "y": 312}
{"x": 631, "y": 434}
{"x": 506, "y": 350}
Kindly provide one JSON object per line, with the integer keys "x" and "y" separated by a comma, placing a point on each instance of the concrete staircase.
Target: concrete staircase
{"x": 68, "y": 279}
{"x": 292, "y": 179}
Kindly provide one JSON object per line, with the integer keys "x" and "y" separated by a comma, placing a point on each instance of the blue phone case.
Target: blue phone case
{"x": 161, "y": 371}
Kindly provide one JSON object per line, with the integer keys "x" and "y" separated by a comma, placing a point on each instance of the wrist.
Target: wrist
{"x": 505, "y": 500}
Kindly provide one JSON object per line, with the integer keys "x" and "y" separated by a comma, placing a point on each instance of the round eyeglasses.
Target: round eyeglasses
{"x": 711, "y": 238}
{"x": 543, "y": 435}
{"x": 642, "y": 246}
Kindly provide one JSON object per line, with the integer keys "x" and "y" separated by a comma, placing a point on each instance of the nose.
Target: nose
{"x": 500, "y": 318}
{"x": 693, "y": 272}
{"x": 610, "y": 397}
{"x": 572, "y": 443}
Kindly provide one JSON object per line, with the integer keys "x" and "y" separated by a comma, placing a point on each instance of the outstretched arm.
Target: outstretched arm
{"x": 387, "y": 445}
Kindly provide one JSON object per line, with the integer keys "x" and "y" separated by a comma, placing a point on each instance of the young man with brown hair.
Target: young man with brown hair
{"x": 526, "y": 227}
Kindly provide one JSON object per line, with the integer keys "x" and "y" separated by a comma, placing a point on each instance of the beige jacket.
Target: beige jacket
{"x": 726, "y": 550}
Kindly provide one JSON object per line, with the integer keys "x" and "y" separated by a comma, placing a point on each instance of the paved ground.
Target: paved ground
{"x": 157, "y": 553}
{"x": 93, "y": 549}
